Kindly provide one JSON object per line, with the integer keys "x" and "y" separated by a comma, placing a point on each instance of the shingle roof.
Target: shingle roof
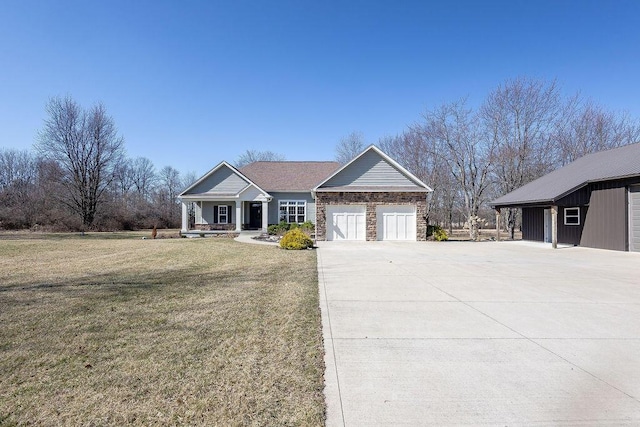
{"x": 375, "y": 189}
{"x": 617, "y": 163}
{"x": 288, "y": 176}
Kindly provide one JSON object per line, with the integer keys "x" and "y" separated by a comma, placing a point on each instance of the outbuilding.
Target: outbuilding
{"x": 592, "y": 202}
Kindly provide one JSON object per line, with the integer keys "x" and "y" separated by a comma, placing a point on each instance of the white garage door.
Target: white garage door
{"x": 346, "y": 222}
{"x": 396, "y": 222}
{"x": 634, "y": 219}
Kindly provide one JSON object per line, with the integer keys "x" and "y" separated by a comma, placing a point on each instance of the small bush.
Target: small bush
{"x": 293, "y": 226}
{"x": 278, "y": 229}
{"x": 308, "y": 227}
{"x": 296, "y": 239}
{"x": 284, "y": 225}
{"x": 437, "y": 233}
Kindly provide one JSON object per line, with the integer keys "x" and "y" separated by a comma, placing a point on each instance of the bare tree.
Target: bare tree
{"x": 414, "y": 151}
{"x": 16, "y": 167}
{"x": 591, "y": 128}
{"x": 349, "y": 147}
{"x": 168, "y": 188}
{"x": 466, "y": 153}
{"x": 144, "y": 177}
{"x": 18, "y": 177}
{"x": 188, "y": 179}
{"x": 521, "y": 116}
{"x": 122, "y": 184}
{"x": 251, "y": 156}
{"x": 87, "y": 147}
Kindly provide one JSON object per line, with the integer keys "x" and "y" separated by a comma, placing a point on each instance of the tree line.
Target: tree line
{"x": 522, "y": 130}
{"x": 78, "y": 177}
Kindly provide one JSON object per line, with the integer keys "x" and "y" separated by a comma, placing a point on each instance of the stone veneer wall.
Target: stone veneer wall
{"x": 214, "y": 227}
{"x": 371, "y": 200}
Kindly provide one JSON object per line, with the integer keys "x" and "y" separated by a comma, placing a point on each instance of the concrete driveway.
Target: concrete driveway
{"x": 506, "y": 333}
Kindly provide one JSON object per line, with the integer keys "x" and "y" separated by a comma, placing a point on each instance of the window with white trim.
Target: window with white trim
{"x": 571, "y": 216}
{"x": 223, "y": 214}
{"x": 293, "y": 211}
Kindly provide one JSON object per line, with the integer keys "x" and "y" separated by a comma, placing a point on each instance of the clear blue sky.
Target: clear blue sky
{"x": 191, "y": 83}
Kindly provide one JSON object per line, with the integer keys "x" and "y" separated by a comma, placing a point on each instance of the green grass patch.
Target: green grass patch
{"x": 163, "y": 332}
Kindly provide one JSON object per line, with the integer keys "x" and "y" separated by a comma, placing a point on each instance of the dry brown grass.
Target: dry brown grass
{"x": 160, "y": 332}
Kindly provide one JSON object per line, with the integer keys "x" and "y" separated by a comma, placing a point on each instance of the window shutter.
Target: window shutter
{"x": 229, "y": 216}
{"x": 215, "y": 214}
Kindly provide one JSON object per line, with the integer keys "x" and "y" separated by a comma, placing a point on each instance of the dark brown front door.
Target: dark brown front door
{"x": 255, "y": 215}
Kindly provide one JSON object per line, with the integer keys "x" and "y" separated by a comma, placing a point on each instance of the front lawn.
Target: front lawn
{"x": 176, "y": 331}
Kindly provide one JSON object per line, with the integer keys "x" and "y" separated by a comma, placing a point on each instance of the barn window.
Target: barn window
{"x": 571, "y": 216}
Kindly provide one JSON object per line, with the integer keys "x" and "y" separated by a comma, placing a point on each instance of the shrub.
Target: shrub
{"x": 278, "y": 229}
{"x": 437, "y": 233}
{"x": 284, "y": 225}
{"x": 296, "y": 239}
{"x": 293, "y": 226}
{"x": 308, "y": 227}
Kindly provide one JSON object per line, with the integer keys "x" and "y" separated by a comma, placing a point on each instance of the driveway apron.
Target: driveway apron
{"x": 463, "y": 333}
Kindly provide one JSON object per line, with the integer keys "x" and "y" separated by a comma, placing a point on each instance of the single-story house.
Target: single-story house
{"x": 592, "y": 202}
{"x": 370, "y": 198}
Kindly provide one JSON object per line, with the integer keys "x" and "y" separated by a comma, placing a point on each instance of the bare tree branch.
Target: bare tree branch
{"x": 349, "y": 147}
{"x": 251, "y": 156}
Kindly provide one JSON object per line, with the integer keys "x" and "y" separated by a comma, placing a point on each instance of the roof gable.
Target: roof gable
{"x": 621, "y": 162}
{"x": 222, "y": 180}
{"x": 373, "y": 169}
{"x": 290, "y": 176}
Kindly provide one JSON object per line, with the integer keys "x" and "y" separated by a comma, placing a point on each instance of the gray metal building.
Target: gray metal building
{"x": 593, "y": 202}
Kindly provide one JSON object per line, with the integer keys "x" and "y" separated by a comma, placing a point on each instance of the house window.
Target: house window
{"x": 571, "y": 216}
{"x": 293, "y": 211}
{"x": 223, "y": 214}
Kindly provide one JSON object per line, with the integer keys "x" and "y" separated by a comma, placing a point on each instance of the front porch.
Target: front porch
{"x": 219, "y": 216}
{"x": 210, "y": 233}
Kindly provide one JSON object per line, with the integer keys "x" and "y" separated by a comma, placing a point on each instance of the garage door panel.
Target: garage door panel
{"x": 396, "y": 222}
{"x": 346, "y": 222}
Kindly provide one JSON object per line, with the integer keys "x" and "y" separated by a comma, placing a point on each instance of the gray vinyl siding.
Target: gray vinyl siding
{"x": 205, "y": 212}
{"x": 275, "y": 203}
{"x": 370, "y": 170}
{"x": 223, "y": 181}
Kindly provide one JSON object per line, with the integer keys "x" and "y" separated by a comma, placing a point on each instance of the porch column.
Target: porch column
{"x": 554, "y": 227}
{"x": 497, "y": 224}
{"x": 185, "y": 218}
{"x": 239, "y": 217}
{"x": 265, "y": 216}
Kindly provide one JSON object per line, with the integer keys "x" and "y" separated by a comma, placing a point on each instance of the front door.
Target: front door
{"x": 255, "y": 215}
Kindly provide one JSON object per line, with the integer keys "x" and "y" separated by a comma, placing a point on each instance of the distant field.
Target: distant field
{"x": 485, "y": 234}
{"x": 111, "y": 329}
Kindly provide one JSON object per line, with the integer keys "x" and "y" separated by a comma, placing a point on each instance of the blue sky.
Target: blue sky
{"x": 191, "y": 83}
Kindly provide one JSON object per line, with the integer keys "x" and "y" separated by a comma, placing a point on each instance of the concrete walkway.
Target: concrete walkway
{"x": 463, "y": 333}
{"x": 248, "y": 237}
